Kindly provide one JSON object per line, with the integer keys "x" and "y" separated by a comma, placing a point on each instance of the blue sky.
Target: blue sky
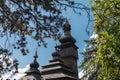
{"x": 78, "y": 25}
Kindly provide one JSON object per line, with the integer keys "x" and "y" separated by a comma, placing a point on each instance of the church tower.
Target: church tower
{"x": 68, "y": 49}
{"x": 63, "y": 66}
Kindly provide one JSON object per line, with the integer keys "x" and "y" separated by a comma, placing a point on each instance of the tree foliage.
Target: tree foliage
{"x": 107, "y": 26}
{"x": 38, "y": 19}
{"x": 105, "y": 64}
{"x": 88, "y": 63}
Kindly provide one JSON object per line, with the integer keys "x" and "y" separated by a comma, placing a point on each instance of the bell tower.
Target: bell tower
{"x": 68, "y": 49}
{"x": 63, "y": 66}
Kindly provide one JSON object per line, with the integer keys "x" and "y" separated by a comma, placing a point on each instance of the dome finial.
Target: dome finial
{"x": 36, "y": 55}
{"x": 66, "y": 26}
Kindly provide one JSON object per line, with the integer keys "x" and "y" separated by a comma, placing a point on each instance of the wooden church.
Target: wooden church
{"x": 63, "y": 65}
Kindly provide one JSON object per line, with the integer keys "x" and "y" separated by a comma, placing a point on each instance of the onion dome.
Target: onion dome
{"x": 56, "y": 55}
{"x": 33, "y": 73}
{"x": 67, "y": 34}
{"x": 34, "y": 64}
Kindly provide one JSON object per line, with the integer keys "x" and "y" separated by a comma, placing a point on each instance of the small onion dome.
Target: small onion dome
{"x": 55, "y": 55}
{"x": 67, "y": 35}
{"x": 33, "y": 67}
{"x": 35, "y": 64}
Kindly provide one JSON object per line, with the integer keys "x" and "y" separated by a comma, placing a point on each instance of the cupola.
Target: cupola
{"x": 67, "y": 37}
{"x": 34, "y": 64}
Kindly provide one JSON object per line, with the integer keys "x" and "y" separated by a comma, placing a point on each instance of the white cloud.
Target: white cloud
{"x": 21, "y": 72}
{"x": 94, "y": 36}
{"x": 81, "y": 74}
{"x": 18, "y": 75}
